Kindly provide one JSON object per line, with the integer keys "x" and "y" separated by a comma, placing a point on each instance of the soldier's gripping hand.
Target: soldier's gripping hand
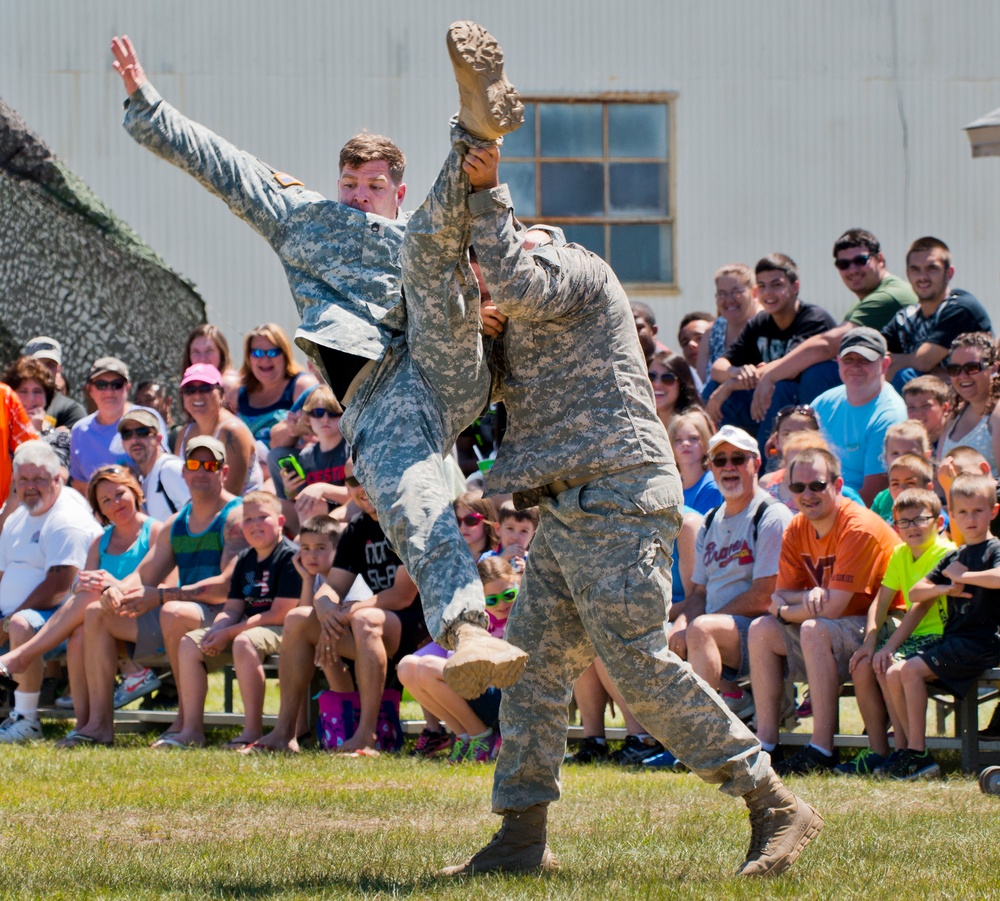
{"x": 481, "y": 164}
{"x": 127, "y": 64}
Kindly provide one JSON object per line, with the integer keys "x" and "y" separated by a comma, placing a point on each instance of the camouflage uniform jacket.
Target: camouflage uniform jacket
{"x": 342, "y": 265}
{"x": 577, "y": 389}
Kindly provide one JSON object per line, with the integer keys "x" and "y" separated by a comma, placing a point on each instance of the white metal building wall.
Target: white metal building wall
{"x": 794, "y": 120}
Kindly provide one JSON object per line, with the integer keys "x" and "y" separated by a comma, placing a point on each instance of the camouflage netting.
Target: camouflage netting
{"x": 71, "y": 269}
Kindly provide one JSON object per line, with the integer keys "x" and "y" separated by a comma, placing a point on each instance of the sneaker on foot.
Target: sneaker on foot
{"x": 663, "y": 760}
{"x": 480, "y": 660}
{"x": 432, "y": 742}
{"x": 479, "y": 749}
{"x": 913, "y": 765}
{"x": 459, "y": 749}
{"x": 131, "y": 688}
{"x": 867, "y": 763}
{"x": 636, "y": 750}
{"x": 65, "y": 702}
{"x": 807, "y": 760}
{"x": 17, "y": 729}
{"x": 590, "y": 750}
{"x": 488, "y": 104}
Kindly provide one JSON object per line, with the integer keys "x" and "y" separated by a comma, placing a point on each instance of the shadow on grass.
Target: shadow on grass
{"x": 366, "y": 884}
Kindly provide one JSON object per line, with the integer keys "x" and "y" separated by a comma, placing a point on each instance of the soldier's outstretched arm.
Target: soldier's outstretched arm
{"x": 548, "y": 283}
{"x": 258, "y": 194}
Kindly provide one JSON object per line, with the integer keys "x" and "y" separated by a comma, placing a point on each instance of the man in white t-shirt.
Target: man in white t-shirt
{"x": 43, "y": 546}
{"x": 160, "y": 473}
{"x": 735, "y": 569}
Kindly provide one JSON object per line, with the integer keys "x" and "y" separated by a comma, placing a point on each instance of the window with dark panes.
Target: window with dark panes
{"x": 599, "y": 169}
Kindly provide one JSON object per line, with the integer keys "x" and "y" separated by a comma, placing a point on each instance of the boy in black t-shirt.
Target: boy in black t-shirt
{"x": 783, "y": 323}
{"x": 971, "y": 639}
{"x": 264, "y": 587}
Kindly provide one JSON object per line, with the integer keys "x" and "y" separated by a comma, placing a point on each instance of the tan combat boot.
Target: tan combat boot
{"x": 480, "y": 660}
{"x": 488, "y": 104}
{"x": 781, "y": 825}
{"x": 519, "y": 846}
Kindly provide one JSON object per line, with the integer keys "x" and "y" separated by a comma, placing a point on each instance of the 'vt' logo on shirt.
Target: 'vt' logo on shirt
{"x": 820, "y": 569}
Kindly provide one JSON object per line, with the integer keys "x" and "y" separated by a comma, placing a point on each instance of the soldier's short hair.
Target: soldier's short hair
{"x": 368, "y": 148}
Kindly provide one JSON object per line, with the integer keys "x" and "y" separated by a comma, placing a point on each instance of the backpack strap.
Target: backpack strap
{"x": 759, "y": 514}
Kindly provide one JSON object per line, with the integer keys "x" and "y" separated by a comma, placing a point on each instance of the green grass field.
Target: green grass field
{"x": 129, "y": 822}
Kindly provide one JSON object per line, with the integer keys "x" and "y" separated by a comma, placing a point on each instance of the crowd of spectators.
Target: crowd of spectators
{"x": 839, "y": 488}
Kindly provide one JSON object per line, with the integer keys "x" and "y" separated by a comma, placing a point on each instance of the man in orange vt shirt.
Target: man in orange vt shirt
{"x": 832, "y": 561}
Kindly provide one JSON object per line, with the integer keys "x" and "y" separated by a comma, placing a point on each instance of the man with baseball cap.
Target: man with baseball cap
{"x": 854, "y": 416}
{"x": 161, "y": 474}
{"x": 201, "y": 541}
{"x": 94, "y": 440}
{"x": 64, "y": 411}
{"x": 735, "y": 568}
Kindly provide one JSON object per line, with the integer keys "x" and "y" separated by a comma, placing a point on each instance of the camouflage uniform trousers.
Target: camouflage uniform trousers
{"x": 423, "y": 393}
{"x": 597, "y": 583}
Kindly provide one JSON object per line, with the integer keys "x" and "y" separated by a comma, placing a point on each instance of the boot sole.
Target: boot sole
{"x": 811, "y": 830}
{"x": 489, "y": 106}
{"x": 471, "y": 678}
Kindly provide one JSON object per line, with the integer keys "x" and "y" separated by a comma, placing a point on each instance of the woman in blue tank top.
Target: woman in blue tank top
{"x": 271, "y": 383}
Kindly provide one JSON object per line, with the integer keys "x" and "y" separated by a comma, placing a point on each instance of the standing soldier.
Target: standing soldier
{"x": 584, "y": 444}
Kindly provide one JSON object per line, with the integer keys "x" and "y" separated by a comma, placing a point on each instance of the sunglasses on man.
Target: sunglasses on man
{"x": 207, "y": 465}
{"x": 845, "y": 263}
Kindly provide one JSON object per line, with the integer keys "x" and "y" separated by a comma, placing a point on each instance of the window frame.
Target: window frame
{"x": 606, "y": 222}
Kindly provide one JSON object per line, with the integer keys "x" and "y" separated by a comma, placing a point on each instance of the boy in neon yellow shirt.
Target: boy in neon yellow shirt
{"x": 917, "y": 517}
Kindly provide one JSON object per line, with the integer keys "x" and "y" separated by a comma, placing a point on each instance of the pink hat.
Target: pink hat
{"x": 202, "y": 372}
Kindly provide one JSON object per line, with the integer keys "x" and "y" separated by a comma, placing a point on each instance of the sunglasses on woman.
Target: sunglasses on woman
{"x": 471, "y": 519}
{"x": 956, "y": 369}
{"x": 259, "y": 353}
{"x": 509, "y": 595}
{"x": 666, "y": 378}
{"x": 197, "y": 388}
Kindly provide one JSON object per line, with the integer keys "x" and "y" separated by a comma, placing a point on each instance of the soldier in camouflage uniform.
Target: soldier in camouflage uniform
{"x": 584, "y": 443}
{"x": 405, "y": 401}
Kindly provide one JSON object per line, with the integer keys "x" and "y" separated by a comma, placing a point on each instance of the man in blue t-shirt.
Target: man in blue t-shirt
{"x": 854, "y": 416}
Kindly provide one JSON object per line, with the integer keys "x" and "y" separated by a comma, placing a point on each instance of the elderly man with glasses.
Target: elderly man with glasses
{"x": 735, "y": 570}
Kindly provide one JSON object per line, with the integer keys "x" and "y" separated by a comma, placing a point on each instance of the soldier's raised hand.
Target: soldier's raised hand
{"x": 127, "y": 63}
